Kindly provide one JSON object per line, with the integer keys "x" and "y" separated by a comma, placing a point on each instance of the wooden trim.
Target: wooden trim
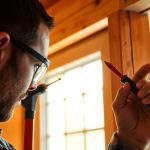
{"x": 76, "y": 51}
{"x": 140, "y": 39}
{"x": 78, "y": 36}
{"x": 140, "y": 6}
{"x": 115, "y": 49}
{"x": 126, "y": 44}
{"x": 72, "y": 17}
{"x": 120, "y": 47}
{"x": 129, "y": 43}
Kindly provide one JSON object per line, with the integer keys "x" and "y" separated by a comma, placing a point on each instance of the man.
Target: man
{"x": 24, "y": 41}
{"x": 132, "y": 114}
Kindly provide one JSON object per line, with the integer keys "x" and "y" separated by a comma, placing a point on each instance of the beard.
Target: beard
{"x": 11, "y": 87}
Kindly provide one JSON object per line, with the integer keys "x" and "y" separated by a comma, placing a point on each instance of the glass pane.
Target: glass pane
{"x": 74, "y": 113}
{"x": 54, "y": 89}
{"x": 75, "y": 142}
{"x": 72, "y": 82}
{"x": 56, "y": 143}
{"x": 92, "y": 76}
{"x": 55, "y": 110}
{"x": 94, "y": 111}
{"x": 95, "y": 140}
{"x": 55, "y": 120}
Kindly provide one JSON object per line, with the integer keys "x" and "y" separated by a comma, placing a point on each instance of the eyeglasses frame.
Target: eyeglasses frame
{"x": 30, "y": 50}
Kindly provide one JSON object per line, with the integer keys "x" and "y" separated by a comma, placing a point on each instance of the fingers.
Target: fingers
{"x": 146, "y": 100}
{"x": 121, "y": 97}
{"x": 142, "y": 73}
{"x": 144, "y": 91}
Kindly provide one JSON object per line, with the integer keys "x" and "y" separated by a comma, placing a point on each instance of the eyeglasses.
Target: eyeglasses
{"x": 39, "y": 69}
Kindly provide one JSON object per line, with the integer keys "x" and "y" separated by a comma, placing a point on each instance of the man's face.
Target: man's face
{"x": 16, "y": 76}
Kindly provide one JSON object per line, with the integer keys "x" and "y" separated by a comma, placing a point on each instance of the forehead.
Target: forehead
{"x": 42, "y": 42}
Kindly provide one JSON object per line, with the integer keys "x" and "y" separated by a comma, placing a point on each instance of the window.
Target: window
{"x": 78, "y": 58}
{"x": 74, "y": 109}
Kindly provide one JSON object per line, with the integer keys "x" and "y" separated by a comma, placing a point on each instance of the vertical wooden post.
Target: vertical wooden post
{"x": 120, "y": 45}
{"x": 140, "y": 35}
{"x": 129, "y": 37}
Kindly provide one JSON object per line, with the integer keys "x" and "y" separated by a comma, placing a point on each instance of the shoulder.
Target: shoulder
{"x": 5, "y": 145}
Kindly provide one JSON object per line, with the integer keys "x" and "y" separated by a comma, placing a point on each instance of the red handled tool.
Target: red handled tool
{"x": 124, "y": 78}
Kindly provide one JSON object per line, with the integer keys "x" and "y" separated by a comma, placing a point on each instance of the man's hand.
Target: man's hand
{"x": 132, "y": 112}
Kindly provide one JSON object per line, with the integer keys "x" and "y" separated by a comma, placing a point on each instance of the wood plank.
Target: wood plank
{"x": 80, "y": 20}
{"x": 120, "y": 47}
{"x": 125, "y": 42}
{"x": 139, "y": 6}
{"x": 72, "y": 17}
{"x": 48, "y": 3}
{"x": 68, "y": 8}
{"x": 115, "y": 49}
{"x": 140, "y": 39}
{"x": 90, "y": 30}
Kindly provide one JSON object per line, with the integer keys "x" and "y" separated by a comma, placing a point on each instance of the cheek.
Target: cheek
{"x": 26, "y": 74}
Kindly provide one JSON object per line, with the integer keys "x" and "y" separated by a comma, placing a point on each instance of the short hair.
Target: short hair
{"x": 21, "y": 18}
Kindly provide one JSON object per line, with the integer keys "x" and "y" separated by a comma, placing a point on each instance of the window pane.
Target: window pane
{"x": 72, "y": 81}
{"x": 75, "y": 142}
{"x": 55, "y": 119}
{"x": 55, "y": 110}
{"x": 56, "y": 143}
{"x": 94, "y": 111}
{"x": 92, "y": 74}
{"x": 95, "y": 140}
{"x": 74, "y": 113}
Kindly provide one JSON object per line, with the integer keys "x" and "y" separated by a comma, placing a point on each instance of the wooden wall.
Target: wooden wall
{"x": 13, "y": 129}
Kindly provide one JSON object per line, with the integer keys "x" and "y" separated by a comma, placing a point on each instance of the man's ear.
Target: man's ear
{"x": 4, "y": 40}
{"x": 4, "y": 48}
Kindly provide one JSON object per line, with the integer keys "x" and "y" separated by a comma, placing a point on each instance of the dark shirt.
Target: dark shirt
{"x": 4, "y": 145}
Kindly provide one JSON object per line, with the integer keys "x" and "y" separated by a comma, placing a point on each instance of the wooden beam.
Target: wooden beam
{"x": 48, "y": 3}
{"x": 140, "y": 6}
{"x": 129, "y": 42}
{"x": 140, "y": 39}
{"x": 120, "y": 47}
{"x": 72, "y": 17}
{"x": 65, "y": 9}
{"x": 78, "y": 36}
{"x": 115, "y": 49}
{"x": 125, "y": 43}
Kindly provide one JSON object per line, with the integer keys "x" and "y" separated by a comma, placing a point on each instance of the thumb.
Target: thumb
{"x": 120, "y": 100}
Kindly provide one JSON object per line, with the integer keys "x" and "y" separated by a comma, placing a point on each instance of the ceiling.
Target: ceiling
{"x": 48, "y": 3}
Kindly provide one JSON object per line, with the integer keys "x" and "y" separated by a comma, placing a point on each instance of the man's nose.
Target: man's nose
{"x": 32, "y": 86}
